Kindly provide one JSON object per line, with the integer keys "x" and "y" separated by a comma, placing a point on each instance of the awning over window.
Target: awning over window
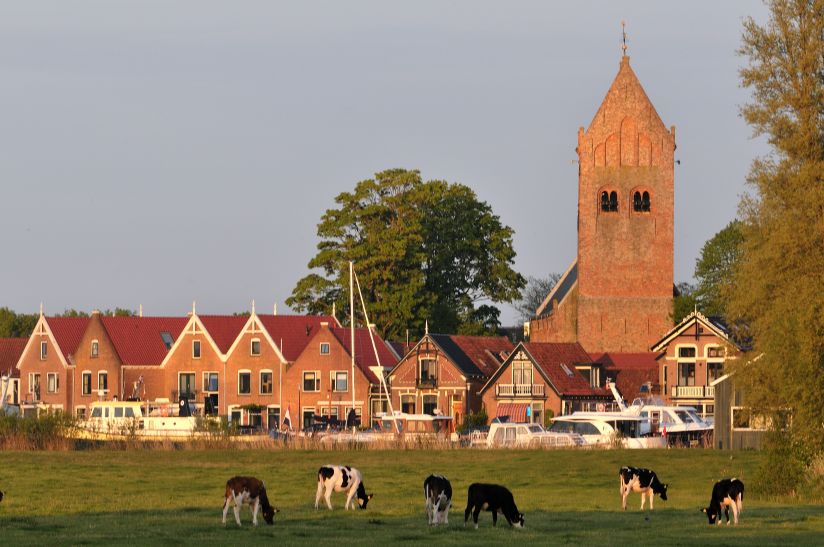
{"x": 515, "y": 411}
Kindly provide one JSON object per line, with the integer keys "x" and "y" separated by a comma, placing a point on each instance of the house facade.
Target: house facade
{"x": 46, "y": 365}
{"x": 540, "y": 380}
{"x": 10, "y": 351}
{"x": 320, "y": 381}
{"x": 695, "y": 353}
{"x": 442, "y": 374}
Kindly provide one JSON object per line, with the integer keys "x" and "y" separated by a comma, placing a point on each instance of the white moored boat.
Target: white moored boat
{"x": 112, "y": 420}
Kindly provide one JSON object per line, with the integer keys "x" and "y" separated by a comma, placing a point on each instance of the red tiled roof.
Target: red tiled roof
{"x": 137, "y": 340}
{"x": 68, "y": 331}
{"x": 10, "y": 351}
{"x": 224, "y": 329}
{"x": 551, "y": 356}
{"x": 515, "y": 411}
{"x": 630, "y": 370}
{"x": 291, "y": 333}
{"x": 364, "y": 354}
{"x": 479, "y": 348}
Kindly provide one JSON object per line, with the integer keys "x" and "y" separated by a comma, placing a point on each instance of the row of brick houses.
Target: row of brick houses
{"x": 253, "y": 368}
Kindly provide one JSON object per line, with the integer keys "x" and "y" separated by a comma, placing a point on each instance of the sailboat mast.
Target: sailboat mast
{"x": 352, "y": 332}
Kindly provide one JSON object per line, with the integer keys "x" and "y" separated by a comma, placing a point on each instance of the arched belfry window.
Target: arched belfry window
{"x": 641, "y": 202}
{"x": 609, "y": 201}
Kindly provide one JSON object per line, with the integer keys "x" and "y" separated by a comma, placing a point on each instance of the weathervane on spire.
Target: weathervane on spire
{"x": 624, "y": 33}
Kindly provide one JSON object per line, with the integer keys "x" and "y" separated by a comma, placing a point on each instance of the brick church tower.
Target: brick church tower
{"x": 617, "y": 295}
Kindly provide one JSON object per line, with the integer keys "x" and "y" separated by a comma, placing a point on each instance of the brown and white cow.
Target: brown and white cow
{"x": 643, "y": 481}
{"x": 249, "y": 490}
{"x": 341, "y": 478}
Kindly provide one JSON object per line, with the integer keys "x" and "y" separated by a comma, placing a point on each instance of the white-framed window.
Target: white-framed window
{"x": 86, "y": 382}
{"x": 273, "y": 417}
{"x": 358, "y": 414}
{"x": 714, "y": 351}
{"x": 254, "y": 349}
{"x": 715, "y": 369}
{"x": 339, "y": 380}
{"x": 80, "y": 412}
{"x": 244, "y": 382}
{"x": 430, "y": 403}
{"x": 427, "y": 370}
{"x": 186, "y": 386}
{"x": 324, "y": 348}
{"x": 196, "y": 349}
{"x": 103, "y": 382}
{"x": 311, "y": 380}
{"x": 266, "y": 385}
{"x": 52, "y": 382}
{"x": 686, "y": 351}
{"x": 744, "y": 418}
{"x": 95, "y": 350}
{"x": 210, "y": 382}
{"x": 522, "y": 372}
{"x": 34, "y": 385}
{"x": 44, "y": 350}
{"x": 307, "y": 416}
{"x": 408, "y": 403}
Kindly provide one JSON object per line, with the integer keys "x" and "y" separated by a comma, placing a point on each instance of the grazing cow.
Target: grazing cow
{"x": 492, "y": 497}
{"x": 726, "y": 493}
{"x": 341, "y": 478}
{"x": 438, "y": 493}
{"x": 634, "y": 479}
{"x": 248, "y": 490}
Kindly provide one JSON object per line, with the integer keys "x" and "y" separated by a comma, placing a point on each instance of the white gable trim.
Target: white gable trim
{"x": 41, "y": 328}
{"x": 194, "y": 323}
{"x": 255, "y": 326}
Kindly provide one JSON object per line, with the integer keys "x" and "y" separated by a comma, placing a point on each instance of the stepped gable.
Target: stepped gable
{"x": 291, "y": 333}
{"x": 138, "y": 340}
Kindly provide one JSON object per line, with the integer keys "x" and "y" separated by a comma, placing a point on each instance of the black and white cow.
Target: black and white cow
{"x": 341, "y": 478}
{"x": 492, "y": 497}
{"x": 438, "y": 493}
{"x": 249, "y": 490}
{"x": 635, "y": 479}
{"x": 726, "y": 494}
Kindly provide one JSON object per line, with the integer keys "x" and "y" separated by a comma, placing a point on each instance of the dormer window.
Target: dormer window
{"x": 167, "y": 339}
{"x": 95, "y": 349}
{"x": 609, "y": 201}
{"x": 641, "y": 202}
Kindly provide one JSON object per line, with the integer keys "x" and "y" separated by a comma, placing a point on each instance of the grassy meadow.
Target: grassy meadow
{"x": 152, "y": 497}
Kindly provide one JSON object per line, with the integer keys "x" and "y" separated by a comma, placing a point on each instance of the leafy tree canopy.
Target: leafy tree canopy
{"x": 684, "y": 301}
{"x": 424, "y": 251}
{"x": 714, "y": 269}
{"x": 776, "y": 289}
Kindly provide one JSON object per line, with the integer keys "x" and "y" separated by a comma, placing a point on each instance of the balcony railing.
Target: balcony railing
{"x": 694, "y": 392}
{"x": 426, "y": 383}
{"x": 519, "y": 390}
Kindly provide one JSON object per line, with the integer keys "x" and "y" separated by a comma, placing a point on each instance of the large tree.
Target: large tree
{"x": 777, "y": 288}
{"x": 424, "y": 251}
{"x": 714, "y": 269}
{"x": 536, "y": 291}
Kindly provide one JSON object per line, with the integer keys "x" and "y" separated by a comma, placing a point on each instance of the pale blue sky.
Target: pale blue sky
{"x": 157, "y": 153}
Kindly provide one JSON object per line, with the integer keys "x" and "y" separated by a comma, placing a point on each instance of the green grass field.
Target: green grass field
{"x": 175, "y": 497}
